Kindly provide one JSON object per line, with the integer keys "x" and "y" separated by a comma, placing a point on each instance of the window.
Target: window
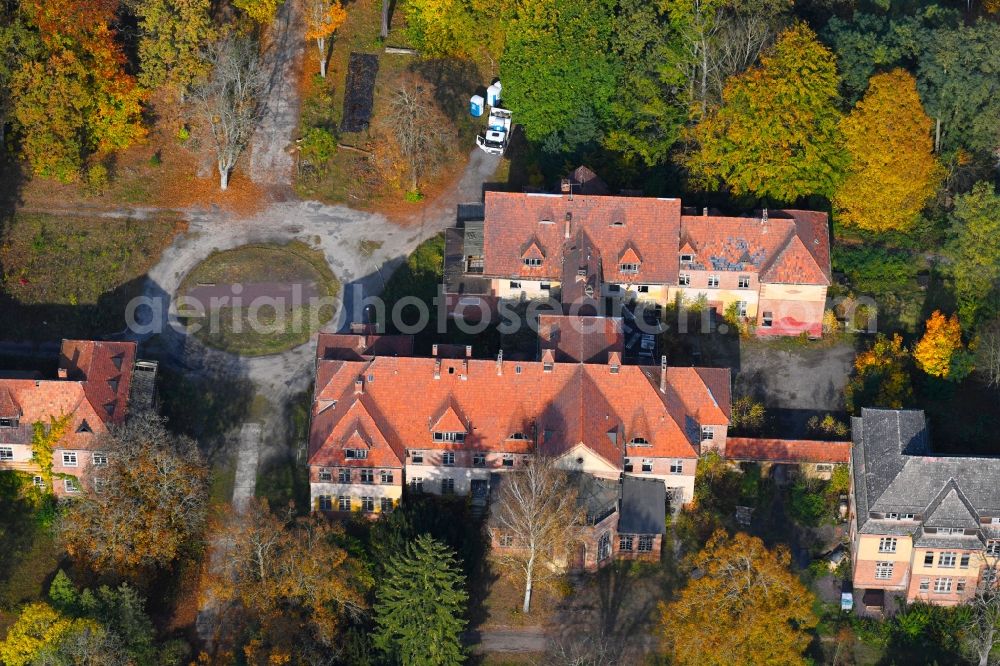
{"x": 899, "y": 516}
{"x": 71, "y": 485}
{"x": 993, "y": 547}
{"x": 950, "y": 530}
{"x": 385, "y": 476}
{"x": 942, "y": 585}
{"x": 824, "y": 467}
{"x": 417, "y": 484}
{"x": 676, "y": 466}
{"x": 964, "y": 562}
{"x": 532, "y": 262}
{"x": 417, "y": 457}
{"x": 741, "y": 308}
{"x": 344, "y": 503}
{"x": 645, "y": 543}
{"x": 767, "y": 319}
{"x": 448, "y": 458}
{"x": 385, "y": 505}
{"x": 506, "y": 541}
{"x": 367, "y": 504}
{"x": 545, "y": 286}
{"x": 887, "y": 545}
{"x": 947, "y": 560}
{"x": 960, "y": 585}
{"x": 744, "y": 282}
{"x": 324, "y": 474}
{"x": 447, "y": 486}
{"x": 449, "y": 436}
{"x": 325, "y": 503}
{"x": 713, "y": 281}
{"x": 628, "y": 465}
{"x": 707, "y": 433}
{"x": 69, "y": 458}
{"x": 883, "y": 570}
{"x": 508, "y": 460}
{"x": 6, "y": 453}
{"x": 604, "y": 547}
{"x": 628, "y": 268}
{"x": 647, "y": 465}
{"x": 100, "y": 459}
{"x": 684, "y": 279}
{"x": 625, "y": 542}
{"x": 367, "y": 476}
{"x": 925, "y": 584}
{"x": 929, "y": 559}
{"x": 687, "y": 257}
{"x": 478, "y": 459}
{"x": 356, "y": 454}
{"x": 515, "y": 285}
{"x": 8, "y": 423}
{"x": 638, "y": 441}
{"x": 343, "y": 475}
{"x": 643, "y": 288}
{"x": 38, "y": 481}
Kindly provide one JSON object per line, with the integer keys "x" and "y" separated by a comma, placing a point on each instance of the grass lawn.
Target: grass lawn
{"x": 71, "y": 276}
{"x": 282, "y": 328}
{"x": 283, "y": 475}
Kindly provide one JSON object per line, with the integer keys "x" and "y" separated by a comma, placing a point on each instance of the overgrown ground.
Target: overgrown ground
{"x": 230, "y": 329}
{"x": 349, "y": 176}
{"x": 69, "y": 276}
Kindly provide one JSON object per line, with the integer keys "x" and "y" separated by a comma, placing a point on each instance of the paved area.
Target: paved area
{"x": 247, "y": 456}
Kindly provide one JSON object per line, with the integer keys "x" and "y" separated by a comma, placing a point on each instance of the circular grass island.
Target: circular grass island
{"x": 258, "y": 299}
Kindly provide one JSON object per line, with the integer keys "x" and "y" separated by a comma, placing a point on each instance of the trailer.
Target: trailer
{"x": 495, "y": 138}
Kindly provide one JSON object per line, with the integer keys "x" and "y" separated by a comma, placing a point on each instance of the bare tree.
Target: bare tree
{"x": 230, "y": 99}
{"x": 982, "y": 629}
{"x": 988, "y": 353}
{"x": 537, "y": 511}
{"x": 745, "y": 30}
{"x": 416, "y": 133}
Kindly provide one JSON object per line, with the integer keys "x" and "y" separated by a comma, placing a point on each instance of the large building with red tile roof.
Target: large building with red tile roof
{"x": 772, "y": 267}
{"x": 93, "y": 389}
{"x": 444, "y": 424}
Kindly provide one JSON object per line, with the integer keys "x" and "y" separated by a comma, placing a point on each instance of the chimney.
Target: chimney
{"x": 704, "y": 211}
{"x": 614, "y": 362}
{"x": 566, "y": 186}
{"x": 500, "y": 363}
{"x": 569, "y": 224}
{"x": 434, "y": 350}
{"x": 359, "y": 386}
{"x": 468, "y": 351}
{"x": 465, "y": 368}
{"x": 763, "y": 216}
{"x": 62, "y": 373}
{"x": 437, "y": 367}
{"x": 663, "y": 374}
{"x": 548, "y": 360}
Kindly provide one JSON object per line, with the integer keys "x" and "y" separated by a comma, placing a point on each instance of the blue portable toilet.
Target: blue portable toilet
{"x": 476, "y": 105}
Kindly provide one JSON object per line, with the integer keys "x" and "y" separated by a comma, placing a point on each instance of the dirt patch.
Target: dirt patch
{"x": 359, "y": 94}
{"x": 256, "y": 300}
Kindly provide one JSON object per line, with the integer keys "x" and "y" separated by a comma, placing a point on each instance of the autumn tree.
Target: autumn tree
{"x": 229, "y": 101}
{"x": 777, "y": 132}
{"x": 893, "y": 172}
{"x": 150, "y": 504}
{"x": 939, "y": 352}
{"x": 974, "y": 250}
{"x": 537, "y": 512}
{"x": 261, "y": 12}
{"x": 444, "y": 28}
{"x": 420, "y": 606}
{"x": 881, "y": 376}
{"x": 559, "y": 73}
{"x": 746, "y": 607}
{"x": 173, "y": 34}
{"x": 299, "y": 585}
{"x": 75, "y": 99}
{"x": 323, "y": 17}
{"x": 37, "y": 626}
{"x": 415, "y": 135}
{"x": 981, "y": 635}
{"x": 987, "y": 353}
{"x": 19, "y": 43}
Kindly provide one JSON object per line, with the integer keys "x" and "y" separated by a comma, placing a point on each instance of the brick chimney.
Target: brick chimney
{"x": 663, "y": 374}
{"x": 359, "y": 386}
{"x": 500, "y": 363}
{"x": 62, "y": 373}
{"x": 437, "y": 367}
{"x": 569, "y": 225}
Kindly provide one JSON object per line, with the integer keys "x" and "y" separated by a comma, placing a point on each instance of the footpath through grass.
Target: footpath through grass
{"x": 72, "y": 276}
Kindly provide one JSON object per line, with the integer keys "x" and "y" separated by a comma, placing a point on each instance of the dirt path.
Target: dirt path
{"x": 270, "y": 162}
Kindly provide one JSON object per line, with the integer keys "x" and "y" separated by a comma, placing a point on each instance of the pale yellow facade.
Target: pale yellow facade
{"x": 868, "y": 549}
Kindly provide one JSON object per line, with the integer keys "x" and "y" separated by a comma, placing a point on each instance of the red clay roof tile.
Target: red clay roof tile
{"x": 787, "y": 450}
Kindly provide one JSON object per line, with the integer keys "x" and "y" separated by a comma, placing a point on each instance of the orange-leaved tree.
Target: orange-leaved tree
{"x": 323, "y": 17}
{"x": 939, "y": 352}
{"x": 881, "y": 376}
{"x": 893, "y": 172}
{"x": 747, "y": 607}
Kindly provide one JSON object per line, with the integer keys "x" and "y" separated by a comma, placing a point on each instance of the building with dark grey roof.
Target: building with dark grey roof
{"x": 923, "y": 524}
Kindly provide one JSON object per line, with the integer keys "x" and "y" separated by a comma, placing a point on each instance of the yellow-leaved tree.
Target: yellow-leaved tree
{"x": 323, "y": 17}
{"x": 37, "y": 627}
{"x": 881, "y": 376}
{"x": 940, "y": 353}
{"x": 893, "y": 171}
{"x": 747, "y": 607}
{"x": 260, "y": 12}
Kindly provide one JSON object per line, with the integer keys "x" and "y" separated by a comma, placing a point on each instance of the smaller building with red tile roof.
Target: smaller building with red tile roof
{"x": 93, "y": 389}
{"x": 787, "y": 451}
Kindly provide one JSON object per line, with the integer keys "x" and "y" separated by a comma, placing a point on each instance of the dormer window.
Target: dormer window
{"x": 449, "y": 437}
{"x": 356, "y": 454}
{"x": 618, "y": 223}
{"x": 628, "y": 268}
{"x": 532, "y": 262}
{"x": 113, "y": 385}
{"x": 638, "y": 441}
{"x": 117, "y": 360}
{"x": 110, "y": 408}
{"x": 707, "y": 433}
{"x": 519, "y": 436}
{"x": 7, "y": 422}
{"x": 687, "y": 258}
{"x": 84, "y": 427}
